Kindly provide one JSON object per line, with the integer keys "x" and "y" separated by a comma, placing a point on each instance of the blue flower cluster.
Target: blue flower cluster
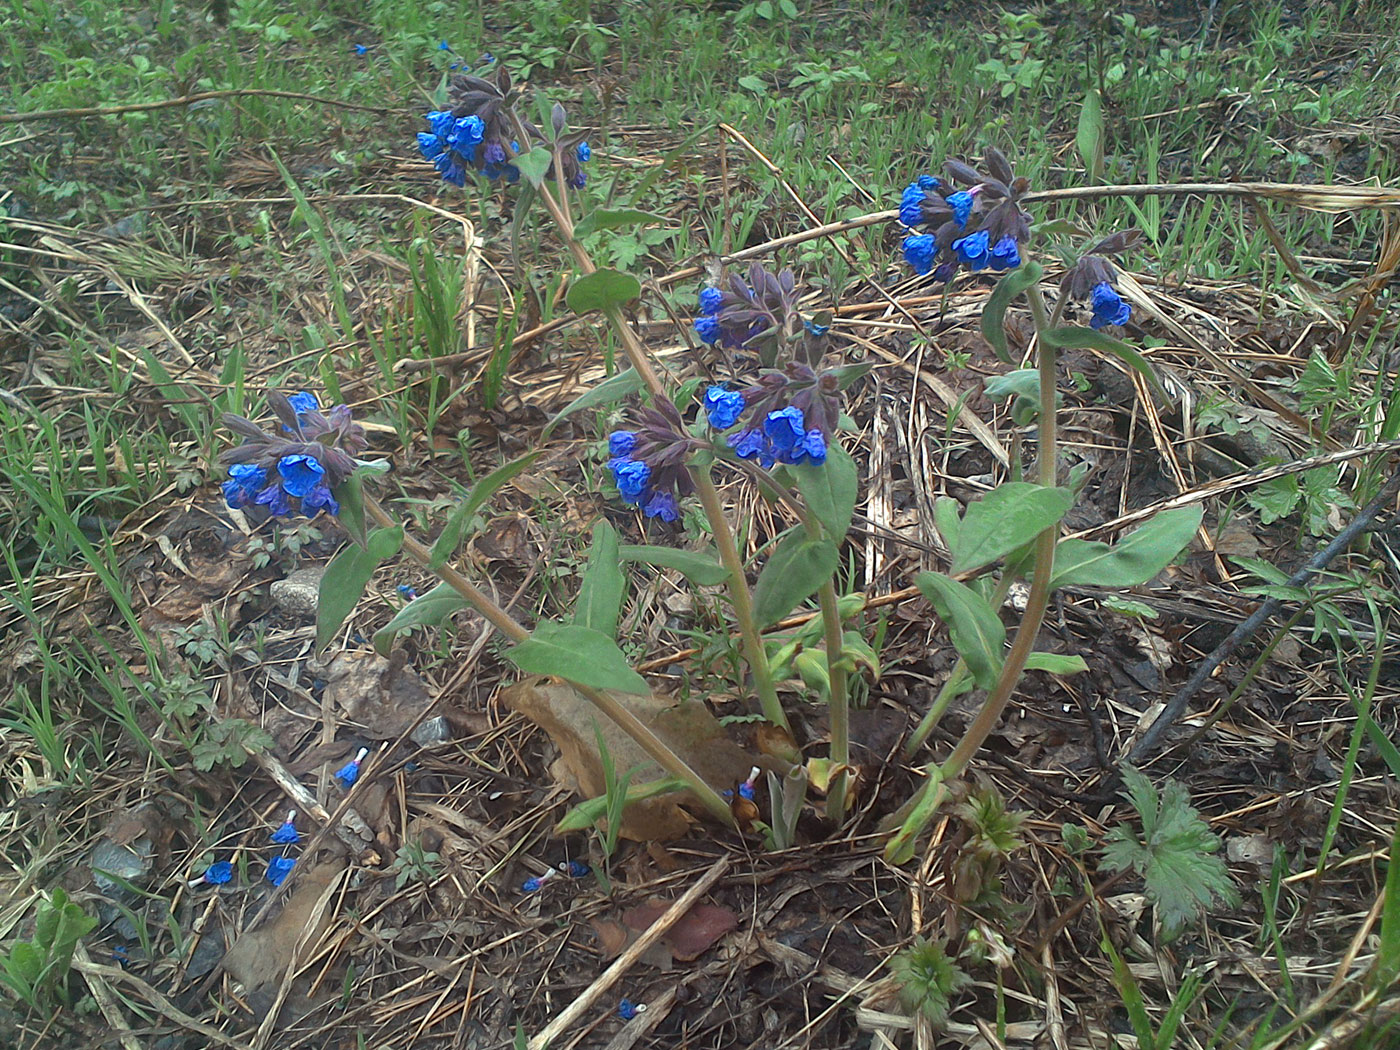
{"x": 980, "y": 227}
{"x": 1092, "y": 277}
{"x": 633, "y": 478}
{"x": 297, "y": 477}
{"x": 1109, "y": 307}
{"x": 783, "y": 437}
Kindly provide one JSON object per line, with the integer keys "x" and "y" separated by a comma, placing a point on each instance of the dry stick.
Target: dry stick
{"x": 159, "y": 1002}
{"x": 185, "y": 100}
{"x": 106, "y": 1002}
{"x": 1246, "y": 630}
{"x": 625, "y": 961}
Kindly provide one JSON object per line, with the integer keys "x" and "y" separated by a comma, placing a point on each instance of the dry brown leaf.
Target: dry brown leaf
{"x": 383, "y": 696}
{"x": 689, "y": 728}
{"x": 693, "y": 934}
{"x": 261, "y": 958}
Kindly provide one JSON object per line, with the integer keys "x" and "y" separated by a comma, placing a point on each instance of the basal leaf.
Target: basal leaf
{"x": 699, "y": 568}
{"x": 607, "y": 392}
{"x": 345, "y": 577}
{"x": 451, "y": 537}
{"x": 1010, "y": 516}
{"x": 1134, "y": 559}
{"x": 600, "y": 595}
{"x": 1089, "y": 137}
{"x": 429, "y": 609}
{"x": 614, "y": 219}
{"x": 601, "y": 290}
{"x": 977, "y": 631}
{"x": 795, "y": 569}
{"x": 577, "y": 654}
{"x": 830, "y": 490}
{"x": 994, "y": 311}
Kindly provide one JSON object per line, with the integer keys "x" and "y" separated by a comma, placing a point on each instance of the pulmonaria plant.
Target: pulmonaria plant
{"x": 648, "y": 462}
{"x": 1092, "y": 278}
{"x": 788, "y": 416}
{"x": 760, "y": 315}
{"x": 298, "y": 469}
{"x": 980, "y": 226}
{"x": 479, "y": 131}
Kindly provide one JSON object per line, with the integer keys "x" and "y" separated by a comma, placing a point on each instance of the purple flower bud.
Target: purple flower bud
{"x": 751, "y": 444}
{"x": 245, "y": 479}
{"x": 320, "y": 498}
{"x": 275, "y": 500}
{"x": 814, "y": 446}
{"x": 919, "y": 251}
{"x": 278, "y": 868}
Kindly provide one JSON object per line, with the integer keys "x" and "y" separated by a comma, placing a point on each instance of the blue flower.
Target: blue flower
{"x": 746, "y": 791}
{"x": 278, "y": 868}
{"x": 711, "y": 300}
{"x": 286, "y": 834}
{"x": 708, "y": 329}
{"x": 440, "y": 121}
{"x": 450, "y": 170}
{"x": 631, "y": 477}
{"x": 219, "y": 873}
{"x": 627, "y": 1009}
{"x": 350, "y": 772}
{"x": 467, "y": 132}
{"x": 532, "y": 884}
{"x": 961, "y": 203}
{"x": 1005, "y": 254}
{"x": 786, "y": 431}
{"x": 578, "y": 869}
{"x": 751, "y": 444}
{"x": 319, "y": 498}
{"x": 911, "y": 201}
{"x": 663, "y": 505}
{"x": 275, "y": 500}
{"x": 300, "y": 474}
{"x": 814, "y": 328}
{"x": 919, "y": 251}
{"x": 430, "y": 145}
{"x": 723, "y": 407}
{"x": 621, "y": 442}
{"x": 304, "y": 401}
{"x": 583, "y": 153}
{"x": 245, "y": 479}
{"x": 928, "y": 183}
{"x": 360, "y": 49}
{"x": 443, "y": 45}
{"x": 972, "y": 249}
{"x": 814, "y": 445}
{"x": 1109, "y": 307}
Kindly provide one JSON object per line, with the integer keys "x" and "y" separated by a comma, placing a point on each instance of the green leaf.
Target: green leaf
{"x": 848, "y": 374}
{"x": 535, "y": 165}
{"x": 795, "y": 569}
{"x": 345, "y": 578}
{"x": 830, "y": 490}
{"x": 1010, "y": 516}
{"x": 577, "y": 654}
{"x": 1134, "y": 559}
{"x": 1013, "y": 284}
{"x": 1056, "y": 663}
{"x": 977, "y": 631}
{"x": 1076, "y": 338}
{"x": 699, "y": 568}
{"x": 1388, "y": 952}
{"x": 601, "y": 290}
{"x": 1174, "y": 855}
{"x": 614, "y": 219}
{"x": 25, "y": 964}
{"x": 600, "y": 596}
{"x": 350, "y": 494}
{"x": 586, "y": 814}
{"x": 608, "y": 391}
{"x": 1089, "y": 137}
{"x": 1023, "y": 382}
{"x": 451, "y": 537}
{"x": 754, "y": 84}
{"x": 429, "y": 609}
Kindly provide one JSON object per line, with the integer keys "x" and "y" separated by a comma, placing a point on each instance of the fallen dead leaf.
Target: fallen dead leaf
{"x": 382, "y": 695}
{"x": 261, "y": 958}
{"x": 689, "y": 728}
{"x": 692, "y": 935}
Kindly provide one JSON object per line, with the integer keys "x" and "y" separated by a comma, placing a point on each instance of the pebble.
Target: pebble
{"x": 299, "y": 594}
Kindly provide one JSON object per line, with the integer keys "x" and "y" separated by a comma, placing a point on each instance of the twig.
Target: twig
{"x": 184, "y": 100}
{"x": 625, "y": 961}
{"x": 106, "y": 1002}
{"x": 1246, "y": 630}
{"x": 158, "y": 1002}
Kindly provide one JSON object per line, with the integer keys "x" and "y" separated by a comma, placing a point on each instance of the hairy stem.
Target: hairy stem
{"x": 516, "y": 632}
{"x": 838, "y": 702}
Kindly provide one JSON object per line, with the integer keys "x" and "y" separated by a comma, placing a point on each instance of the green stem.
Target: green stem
{"x": 737, "y": 582}
{"x": 838, "y": 703}
{"x": 516, "y": 632}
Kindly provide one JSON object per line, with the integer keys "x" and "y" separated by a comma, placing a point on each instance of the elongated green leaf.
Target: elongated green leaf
{"x": 1008, "y": 517}
{"x": 600, "y": 595}
{"x": 977, "y": 631}
{"x": 614, "y": 219}
{"x": 345, "y": 577}
{"x": 25, "y": 964}
{"x": 1076, "y": 338}
{"x": 1056, "y": 663}
{"x": 429, "y": 609}
{"x": 605, "y": 393}
{"x": 698, "y": 568}
{"x": 848, "y": 374}
{"x": 535, "y": 165}
{"x": 830, "y": 489}
{"x": 947, "y": 519}
{"x": 1134, "y": 559}
{"x": 577, "y": 654}
{"x": 451, "y": 538}
{"x": 602, "y": 289}
{"x": 795, "y": 569}
{"x": 1388, "y": 953}
{"x": 1021, "y": 382}
{"x": 350, "y": 494}
{"x": 994, "y": 312}
{"x": 586, "y": 814}
{"x": 1089, "y": 137}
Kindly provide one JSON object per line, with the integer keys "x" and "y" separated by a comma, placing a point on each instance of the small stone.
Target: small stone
{"x": 433, "y": 731}
{"x": 110, "y": 862}
{"x": 300, "y": 593}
